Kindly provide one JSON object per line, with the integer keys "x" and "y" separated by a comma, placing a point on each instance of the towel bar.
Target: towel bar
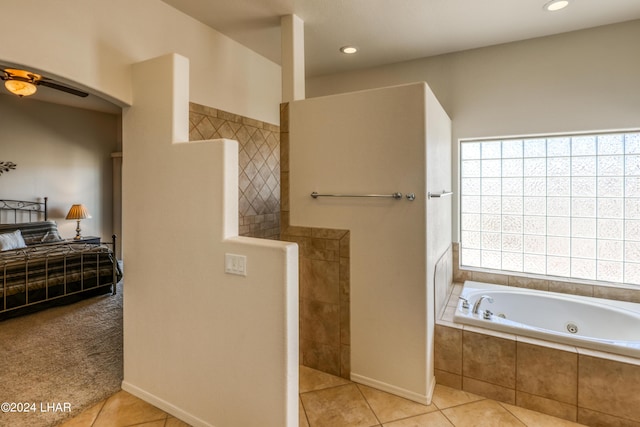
{"x": 396, "y": 196}
{"x": 437, "y": 195}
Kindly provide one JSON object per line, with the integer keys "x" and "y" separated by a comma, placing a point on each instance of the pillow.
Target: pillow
{"x": 33, "y": 233}
{"x": 10, "y": 241}
{"x": 51, "y": 236}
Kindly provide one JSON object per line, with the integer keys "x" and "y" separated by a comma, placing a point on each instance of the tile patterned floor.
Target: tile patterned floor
{"x": 329, "y": 401}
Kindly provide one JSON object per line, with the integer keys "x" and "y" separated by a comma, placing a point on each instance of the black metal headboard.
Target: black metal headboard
{"x": 33, "y": 211}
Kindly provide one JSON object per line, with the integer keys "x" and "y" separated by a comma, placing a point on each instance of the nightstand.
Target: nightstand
{"x": 88, "y": 240}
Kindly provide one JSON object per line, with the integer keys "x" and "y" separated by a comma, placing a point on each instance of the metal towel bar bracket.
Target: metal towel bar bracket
{"x": 396, "y": 196}
{"x": 444, "y": 193}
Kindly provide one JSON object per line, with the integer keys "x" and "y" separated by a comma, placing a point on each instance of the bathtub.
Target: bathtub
{"x": 594, "y": 323}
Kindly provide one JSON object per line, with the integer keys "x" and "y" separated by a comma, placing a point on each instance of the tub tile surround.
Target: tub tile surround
{"x": 579, "y": 385}
{"x": 259, "y": 172}
{"x": 323, "y": 280}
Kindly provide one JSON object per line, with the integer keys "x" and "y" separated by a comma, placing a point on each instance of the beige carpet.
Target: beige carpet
{"x": 64, "y": 355}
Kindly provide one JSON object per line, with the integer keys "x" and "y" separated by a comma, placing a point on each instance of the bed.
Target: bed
{"x": 39, "y": 269}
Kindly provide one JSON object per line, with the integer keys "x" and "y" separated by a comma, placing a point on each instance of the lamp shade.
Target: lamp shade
{"x": 78, "y": 212}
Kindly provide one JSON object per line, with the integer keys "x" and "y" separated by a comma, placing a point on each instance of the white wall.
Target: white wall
{"x": 363, "y": 143}
{"x": 579, "y": 81}
{"x": 211, "y": 348}
{"x": 62, "y": 153}
{"x": 93, "y": 43}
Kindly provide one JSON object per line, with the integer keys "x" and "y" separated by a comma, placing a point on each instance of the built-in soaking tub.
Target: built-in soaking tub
{"x": 598, "y": 324}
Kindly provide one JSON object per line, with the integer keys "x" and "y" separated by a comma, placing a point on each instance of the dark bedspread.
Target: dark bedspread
{"x": 59, "y": 268}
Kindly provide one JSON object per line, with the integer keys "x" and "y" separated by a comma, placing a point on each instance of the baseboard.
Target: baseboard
{"x": 407, "y": 394}
{"x": 165, "y": 406}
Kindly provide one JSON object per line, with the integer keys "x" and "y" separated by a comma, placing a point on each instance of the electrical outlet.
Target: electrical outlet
{"x": 235, "y": 264}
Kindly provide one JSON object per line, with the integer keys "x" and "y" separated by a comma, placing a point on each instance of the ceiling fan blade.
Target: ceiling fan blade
{"x": 58, "y": 86}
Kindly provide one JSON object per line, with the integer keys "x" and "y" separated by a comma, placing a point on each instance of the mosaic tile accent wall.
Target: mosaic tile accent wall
{"x": 259, "y": 172}
{"x": 324, "y": 282}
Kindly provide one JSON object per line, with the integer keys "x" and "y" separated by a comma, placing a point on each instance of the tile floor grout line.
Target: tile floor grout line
{"x": 303, "y": 410}
{"x": 514, "y": 415}
{"x": 464, "y": 404}
{"x": 104, "y": 402}
{"x": 447, "y": 418}
{"x": 149, "y": 421}
{"x": 368, "y": 404}
{"x": 408, "y": 417}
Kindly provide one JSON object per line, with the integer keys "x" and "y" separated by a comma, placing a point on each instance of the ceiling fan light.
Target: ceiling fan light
{"x": 555, "y": 5}
{"x": 20, "y": 88}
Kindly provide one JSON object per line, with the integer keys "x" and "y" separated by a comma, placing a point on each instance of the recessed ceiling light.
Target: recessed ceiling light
{"x": 554, "y": 5}
{"x": 348, "y": 50}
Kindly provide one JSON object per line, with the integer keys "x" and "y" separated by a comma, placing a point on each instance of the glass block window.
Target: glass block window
{"x": 566, "y": 206}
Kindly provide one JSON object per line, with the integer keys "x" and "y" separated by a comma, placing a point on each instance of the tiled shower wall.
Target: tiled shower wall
{"x": 324, "y": 282}
{"x": 263, "y": 200}
{"x": 259, "y": 172}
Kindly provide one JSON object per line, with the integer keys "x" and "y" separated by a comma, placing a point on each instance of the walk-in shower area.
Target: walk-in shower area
{"x": 375, "y": 164}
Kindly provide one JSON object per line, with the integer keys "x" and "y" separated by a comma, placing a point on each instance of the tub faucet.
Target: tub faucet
{"x": 476, "y": 305}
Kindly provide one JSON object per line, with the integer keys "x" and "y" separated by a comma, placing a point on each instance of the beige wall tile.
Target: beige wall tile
{"x": 203, "y": 109}
{"x": 447, "y": 397}
{"x": 448, "y": 379}
{"x": 345, "y": 246}
{"x": 323, "y": 357}
{"x": 609, "y": 387}
{"x": 630, "y": 295}
{"x": 259, "y": 161}
{"x": 498, "y": 279}
{"x": 448, "y": 349}
{"x": 571, "y": 288}
{"x": 321, "y": 281}
{"x": 315, "y": 251}
{"x": 489, "y": 359}
{"x": 284, "y": 191}
{"x": 547, "y": 406}
{"x": 327, "y": 233}
{"x": 299, "y": 231}
{"x": 345, "y": 361}
{"x": 320, "y": 323}
{"x": 547, "y": 372}
{"x": 528, "y": 283}
{"x": 229, "y": 116}
{"x": 284, "y": 117}
{"x": 492, "y": 391}
{"x": 345, "y": 279}
{"x": 533, "y": 418}
{"x": 284, "y": 152}
{"x": 598, "y": 419}
{"x": 345, "y": 322}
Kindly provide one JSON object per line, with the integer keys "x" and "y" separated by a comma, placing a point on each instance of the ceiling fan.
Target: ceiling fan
{"x": 24, "y": 83}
